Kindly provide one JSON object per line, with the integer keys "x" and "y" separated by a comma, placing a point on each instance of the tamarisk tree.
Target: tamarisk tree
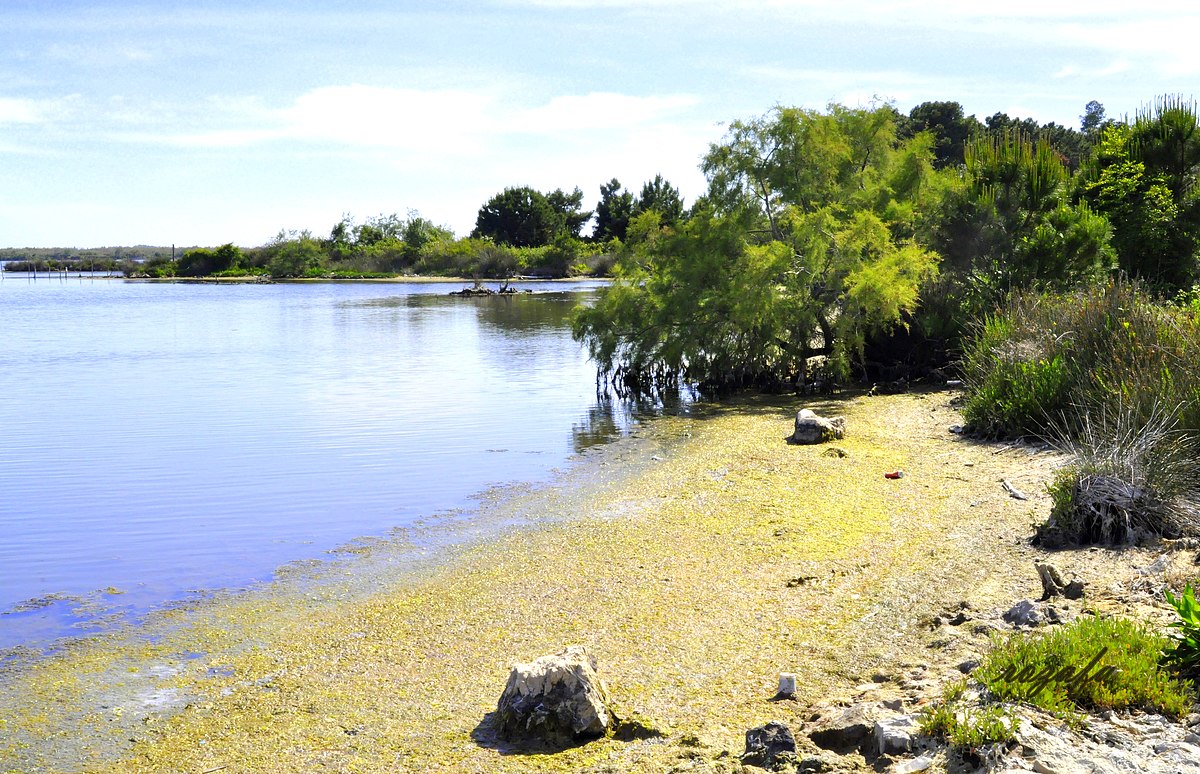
{"x": 802, "y": 246}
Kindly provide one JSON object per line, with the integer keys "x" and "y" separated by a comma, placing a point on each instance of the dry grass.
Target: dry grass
{"x": 673, "y": 571}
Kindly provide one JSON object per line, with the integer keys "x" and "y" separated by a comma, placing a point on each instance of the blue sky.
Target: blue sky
{"x": 208, "y": 122}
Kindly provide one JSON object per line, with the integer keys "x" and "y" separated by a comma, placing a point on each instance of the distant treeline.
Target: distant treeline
{"x": 106, "y": 259}
{"x": 521, "y": 231}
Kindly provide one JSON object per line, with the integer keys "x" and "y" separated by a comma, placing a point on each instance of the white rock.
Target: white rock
{"x": 895, "y": 735}
{"x": 1024, "y": 613}
{"x": 810, "y": 428}
{"x": 916, "y": 764}
{"x": 556, "y": 698}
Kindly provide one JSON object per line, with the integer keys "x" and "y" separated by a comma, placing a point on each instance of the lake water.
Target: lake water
{"x": 157, "y": 439}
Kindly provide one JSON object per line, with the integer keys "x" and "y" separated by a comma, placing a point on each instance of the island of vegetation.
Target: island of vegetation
{"x": 1031, "y": 289}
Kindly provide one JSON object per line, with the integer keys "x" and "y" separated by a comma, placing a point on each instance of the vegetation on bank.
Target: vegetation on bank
{"x": 1090, "y": 664}
{"x": 1112, "y": 376}
{"x": 849, "y": 242}
{"x": 1056, "y": 267}
{"x": 518, "y": 232}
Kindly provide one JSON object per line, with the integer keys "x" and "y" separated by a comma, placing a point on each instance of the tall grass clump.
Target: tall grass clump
{"x": 1111, "y": 375}
{"x": 1132, "y": 477}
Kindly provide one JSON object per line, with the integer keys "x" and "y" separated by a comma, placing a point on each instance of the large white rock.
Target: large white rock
{"x": 557, "y": 699}
{"x": 810, "y": 428}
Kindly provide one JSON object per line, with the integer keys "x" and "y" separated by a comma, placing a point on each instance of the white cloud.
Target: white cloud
{"x": 1119, "y": 66}
{"x": 597, "y": 111}
{"x": 20, "y": 111}
{"x": 430, "y": 123}
{"x": 1159, "y": 33}
{"x": 36, "y": 111}
{"x": 97, "y": 55}
{"x": 892, "y": 11}
{"x": 1075, "y": 71}
{"x": 356, "y": 115}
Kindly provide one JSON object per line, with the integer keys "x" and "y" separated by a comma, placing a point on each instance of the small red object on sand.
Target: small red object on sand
{"x": 894, "y": 474}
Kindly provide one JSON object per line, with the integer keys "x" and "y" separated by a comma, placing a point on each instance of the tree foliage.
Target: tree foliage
{"x": 518, "y": 217}
{"x": 613, "y": 212}
{"x": 797, "y": 251}
{"x": 1143, "y": 176}
{"x": 662, "y": 197}
{"x": 950, "y": 128}
{"x": 202, "y": 262}
{"x": 570, "y": 210}
{"x": 1012, "y": 223}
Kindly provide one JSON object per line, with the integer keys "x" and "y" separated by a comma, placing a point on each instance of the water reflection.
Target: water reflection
{"x": 611, "y": 416}
{"x": 251, "y": 426}
{"x": 527, "y": 315}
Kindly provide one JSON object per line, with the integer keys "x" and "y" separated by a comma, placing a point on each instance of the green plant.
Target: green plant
{"x": 1133, "y": 476}
{"x": 1111, "y": 375}
{"x": 1046, "y": 361}
{"x": 1091, "y": 663}
{"x": 967, "y": 730}
{"x": 1185, "y": 654}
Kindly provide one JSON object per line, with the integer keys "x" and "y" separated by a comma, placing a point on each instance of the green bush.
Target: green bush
{"x": 968, "y": 730}
{"x": 1111, "y": 375}
{"x": 1044, "y": 363}
{"x": 1132, "y": 477}
{"x": 1092, "y": 663}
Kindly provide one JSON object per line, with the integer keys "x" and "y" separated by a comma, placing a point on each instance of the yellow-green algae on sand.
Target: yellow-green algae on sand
{"x": 675, "y": 574}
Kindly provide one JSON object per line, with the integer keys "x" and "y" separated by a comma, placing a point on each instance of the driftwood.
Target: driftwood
{"x": 479, "y": 290}
{"x": 1013, "y": 491}
{"x": 1053, "y": 585}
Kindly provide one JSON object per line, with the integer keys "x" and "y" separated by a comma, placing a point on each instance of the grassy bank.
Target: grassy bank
{"x": 707, "y": 559}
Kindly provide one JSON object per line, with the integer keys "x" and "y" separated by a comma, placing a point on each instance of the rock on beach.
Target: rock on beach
{"x": 811, "y": 429}
{"x": 554, "y": 699}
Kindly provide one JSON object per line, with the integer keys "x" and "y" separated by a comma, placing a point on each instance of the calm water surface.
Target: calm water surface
{"x": 161, "y": 438}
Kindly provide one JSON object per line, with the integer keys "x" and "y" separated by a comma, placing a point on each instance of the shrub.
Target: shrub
{"x": 1092, "y": 663}
{"x": 1112, "y": 376}
{"x": 1131, "y": 478}
{"x": 969, "y": 731}
{"x": 1046, "y": 361}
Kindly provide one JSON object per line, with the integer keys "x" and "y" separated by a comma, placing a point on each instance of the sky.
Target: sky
{"x": 201, "y": 123}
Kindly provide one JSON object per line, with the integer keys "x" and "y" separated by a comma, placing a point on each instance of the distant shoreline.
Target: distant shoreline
{"x": 401, "y": 279}
{"x": 265, "y": 280}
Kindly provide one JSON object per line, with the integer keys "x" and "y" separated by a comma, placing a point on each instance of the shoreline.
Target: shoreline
{"x": 697, "y": 563}
{"x": 398, "y": 279}
{"x": 405, "y": 279}
{"x": 102, "y": 687}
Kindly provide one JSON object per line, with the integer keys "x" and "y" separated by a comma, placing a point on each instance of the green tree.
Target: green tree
{"x": 791, "y": 254}
{"x": 1071, "y": 145}
{"x": 1143, "y": 176}
{"x": 1092, "y": 120}
{"x": 949, "y": 126}
{"x": 613, "y": 212}
{"x": 293, "y": 254}
{"x": 1013, "y": 225}
{"x": 662, "y": 197}
{"x": 419, "y": 231}
{"x": 518, "y": 217}
{"x": 202, "y": 262}
{"x": 570, "y": 210}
